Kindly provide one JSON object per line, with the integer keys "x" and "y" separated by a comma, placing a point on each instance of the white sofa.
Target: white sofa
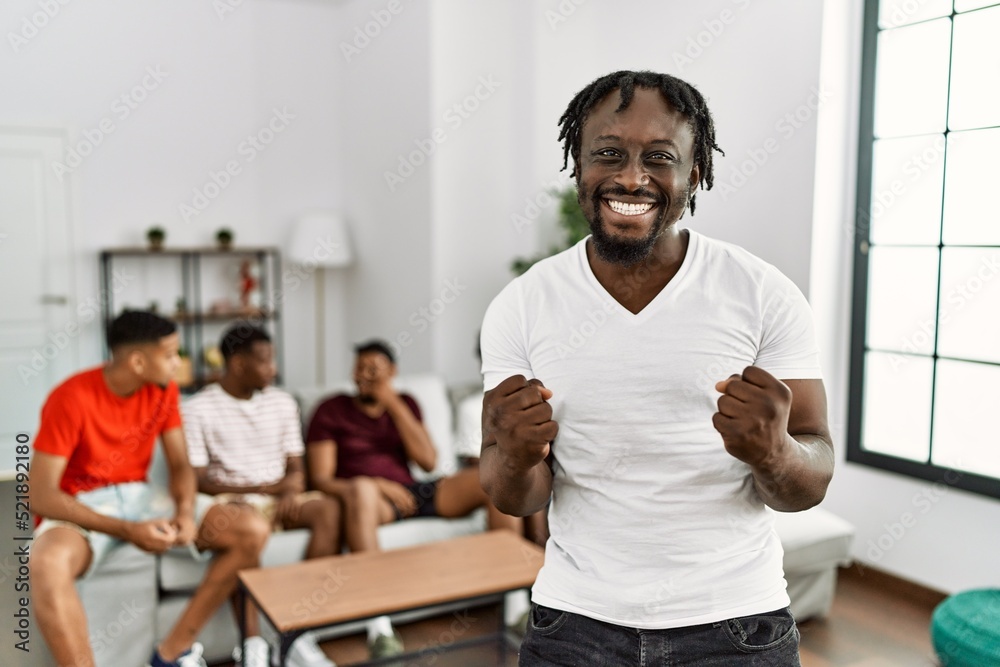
{"x": 134, "y": 598}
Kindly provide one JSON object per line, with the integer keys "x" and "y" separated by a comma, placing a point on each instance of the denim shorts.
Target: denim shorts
{"x": 131, "y": 501}
{"x": 563, "y": 638}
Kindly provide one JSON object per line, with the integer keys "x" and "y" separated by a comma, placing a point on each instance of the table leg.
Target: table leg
{"x": 285, "y": 645}
{"x": 503, "y": 630}
{"x": 241, "y": 613}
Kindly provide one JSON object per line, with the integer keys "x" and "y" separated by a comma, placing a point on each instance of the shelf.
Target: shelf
{"x": 171, "y": 251}
{"x": 193, "y": 322}
{"x": 249, "y": 313}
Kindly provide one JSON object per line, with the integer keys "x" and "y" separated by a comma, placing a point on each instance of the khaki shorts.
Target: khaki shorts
{"x": 265, "y": 503}
{"x": 131, "y": 501}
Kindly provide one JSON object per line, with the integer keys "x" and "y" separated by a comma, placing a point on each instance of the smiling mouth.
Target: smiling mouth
{"x": 624, "y": 208}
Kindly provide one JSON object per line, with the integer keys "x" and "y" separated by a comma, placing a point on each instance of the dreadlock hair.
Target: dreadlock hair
{"x": 136, "y": 327}
{"x": 239, "y": 339}
{"x": 681, "y": 95}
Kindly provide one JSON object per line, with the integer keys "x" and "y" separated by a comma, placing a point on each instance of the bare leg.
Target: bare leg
{"x": 237, "y": 533}
{"x": 322, "y": 518}
{"x": 461, "y": 493}
{"x": 366, "y": 509}
{"x": 58, "y": 557}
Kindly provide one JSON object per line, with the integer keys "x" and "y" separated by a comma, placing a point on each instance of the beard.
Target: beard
{"x": 627, "y": 252}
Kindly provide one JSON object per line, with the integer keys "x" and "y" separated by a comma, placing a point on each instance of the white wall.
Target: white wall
{"x": 543, "y": 52}
{"x": 221, "y": 79}
{"x": 952, "y": 542}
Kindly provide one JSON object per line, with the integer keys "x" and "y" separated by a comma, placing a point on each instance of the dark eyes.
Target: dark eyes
{"x": 658, "y": 156}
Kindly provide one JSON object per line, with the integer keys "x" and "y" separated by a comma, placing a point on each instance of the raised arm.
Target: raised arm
{"x": 517, "y": 434}
{"x": 416, "y": 440}
{"x": 780, "y": 430}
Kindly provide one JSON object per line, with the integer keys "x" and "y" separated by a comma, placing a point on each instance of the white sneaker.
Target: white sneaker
{"x": 193, "y": 657}
{"x": 305, "y": 652}
{"x": 255, "y": 653}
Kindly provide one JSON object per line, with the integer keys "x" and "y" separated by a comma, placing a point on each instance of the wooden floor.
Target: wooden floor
{"x": 876, "y": 621}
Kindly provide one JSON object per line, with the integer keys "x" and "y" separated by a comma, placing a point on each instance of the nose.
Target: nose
{"x": 632, "y": 174}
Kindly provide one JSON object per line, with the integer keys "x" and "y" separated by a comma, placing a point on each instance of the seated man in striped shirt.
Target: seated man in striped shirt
{"x": 245, "y": 443}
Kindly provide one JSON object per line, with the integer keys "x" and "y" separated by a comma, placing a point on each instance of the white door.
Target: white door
{"x": 39, "y": 344}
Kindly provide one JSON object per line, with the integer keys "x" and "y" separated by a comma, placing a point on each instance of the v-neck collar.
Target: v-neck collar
{"x": 664, "y": 295}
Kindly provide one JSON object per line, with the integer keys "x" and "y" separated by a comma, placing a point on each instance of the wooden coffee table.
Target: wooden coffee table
{"x": 328, "y": 591}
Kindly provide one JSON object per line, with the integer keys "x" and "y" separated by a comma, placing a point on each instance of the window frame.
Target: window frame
{"x": 961, "y": 479}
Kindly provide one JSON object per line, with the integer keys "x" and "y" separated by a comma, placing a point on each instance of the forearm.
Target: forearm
{"x": 798, "y": 479}
{"x": 61, "y": 506}
{"x": 416, "y": 442}
{"x": 183, "y": 488}
{"x": 513, "y": 490}
{"x": 332, "y": 486}
{"x": 214, "y": 488}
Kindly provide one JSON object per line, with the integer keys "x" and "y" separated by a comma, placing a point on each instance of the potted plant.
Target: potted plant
{"x": 572, "y": 221}
{"x": 224, "y": 237}
{"x": 156, "y": 236}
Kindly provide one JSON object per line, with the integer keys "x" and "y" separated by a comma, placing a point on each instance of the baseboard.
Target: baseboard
{"x": 891, "y": 583}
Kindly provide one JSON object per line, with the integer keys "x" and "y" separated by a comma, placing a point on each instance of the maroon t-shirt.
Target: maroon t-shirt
{"x": 365, "y": 446}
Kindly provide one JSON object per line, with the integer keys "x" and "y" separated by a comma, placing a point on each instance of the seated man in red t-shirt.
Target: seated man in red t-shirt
{"x": 91, "y": 455}
{"x": 358, "y": 449}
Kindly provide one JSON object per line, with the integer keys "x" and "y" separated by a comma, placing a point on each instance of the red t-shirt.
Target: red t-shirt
{"x": 365, "y": 446}
{"x": 107, "y": 439}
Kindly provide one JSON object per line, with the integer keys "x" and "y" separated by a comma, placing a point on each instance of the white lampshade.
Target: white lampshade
{"x": 320, "y": 237}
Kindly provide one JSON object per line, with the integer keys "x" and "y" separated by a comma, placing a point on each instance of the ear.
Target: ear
{"x": 135, "y": 360}
{"x": 694, "y": 177}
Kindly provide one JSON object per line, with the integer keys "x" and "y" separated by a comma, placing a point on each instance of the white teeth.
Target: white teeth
{"x": 628, "y": 209}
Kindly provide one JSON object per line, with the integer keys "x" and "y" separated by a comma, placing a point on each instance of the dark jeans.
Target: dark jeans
{"x": 570, "y": 640}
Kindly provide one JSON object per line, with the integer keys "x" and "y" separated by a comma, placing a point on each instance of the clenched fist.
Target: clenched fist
{"x": 753, "y": 415}
{"x": 518, "y": 418}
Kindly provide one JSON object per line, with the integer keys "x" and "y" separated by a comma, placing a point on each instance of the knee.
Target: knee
{"x": 329, "y": 514}
{"x": 51, "y": 568}
{"x": 363, "y": 492}
{"x": 252, "y": 531}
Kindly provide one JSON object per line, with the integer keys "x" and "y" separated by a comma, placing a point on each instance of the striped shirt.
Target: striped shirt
{"x": 242, "y": 442}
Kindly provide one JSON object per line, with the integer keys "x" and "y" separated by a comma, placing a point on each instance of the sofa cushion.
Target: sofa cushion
{"x": 813, "y": 540}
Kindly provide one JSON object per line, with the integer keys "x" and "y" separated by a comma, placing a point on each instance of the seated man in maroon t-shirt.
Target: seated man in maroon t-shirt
{"x": 359, "y": 448}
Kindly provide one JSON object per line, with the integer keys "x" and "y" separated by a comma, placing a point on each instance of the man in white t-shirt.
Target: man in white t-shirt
{"x": 663, "y": 389}
{"x": 245, "y": 443}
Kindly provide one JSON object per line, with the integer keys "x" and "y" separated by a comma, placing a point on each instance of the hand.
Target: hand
{"x": 286, "y": 511}
{"x": 517, "y": 415}
{"x": 383, "y": 391}
{"x": 186, "y": 529}
{"x": 398, "y": 495}
{"x": 291, "y": 484}
{"x": 753, "y": 416}
{"x": 154, "y": 536}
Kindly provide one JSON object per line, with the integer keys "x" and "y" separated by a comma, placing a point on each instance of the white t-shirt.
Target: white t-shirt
{"x": 242, "y": 442}
{"x": 653, "y": 524}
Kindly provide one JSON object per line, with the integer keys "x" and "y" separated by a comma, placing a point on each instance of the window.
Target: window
{"x": 925, "y": 348}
